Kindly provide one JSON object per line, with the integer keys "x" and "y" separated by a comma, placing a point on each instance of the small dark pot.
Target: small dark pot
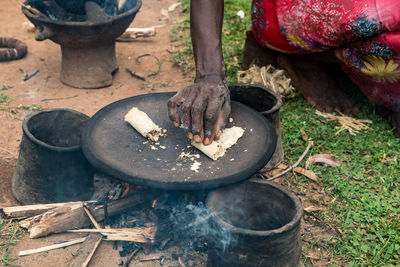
{"x": 264, "y": 221}
{"x": 51, "y": 166}
{"x": 268, "y": 103}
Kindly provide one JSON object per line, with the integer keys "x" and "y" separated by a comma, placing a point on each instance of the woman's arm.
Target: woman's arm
{"x": 204, "y": 107}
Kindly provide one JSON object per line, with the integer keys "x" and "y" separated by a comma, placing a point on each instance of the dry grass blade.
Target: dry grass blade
{"x": 270, "y": 77}
{"x": 291, "y": 167}
{"x": 354, "y": 126}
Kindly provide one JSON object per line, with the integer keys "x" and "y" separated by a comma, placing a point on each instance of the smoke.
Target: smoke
{"x": 195, "y": 222}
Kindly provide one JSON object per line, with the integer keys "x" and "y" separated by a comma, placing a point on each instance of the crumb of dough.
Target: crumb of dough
{"x": 163, "y": 147}
{"x": 230, "y": 120}
{"x": 153, "y": 147}
{"x": 195, "y": 166}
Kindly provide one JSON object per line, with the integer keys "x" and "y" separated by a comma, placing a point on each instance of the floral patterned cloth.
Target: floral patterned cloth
{"x": 365, "y": 35}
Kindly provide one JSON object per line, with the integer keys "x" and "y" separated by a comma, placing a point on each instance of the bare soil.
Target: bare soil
{"x": 46, "y": 90}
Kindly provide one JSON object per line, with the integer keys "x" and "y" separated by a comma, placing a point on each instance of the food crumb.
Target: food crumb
{"x": 232, "y": 159}
{"x": 251, "y": 130}
{"x": 230, "y": 120}
{"x": 153, "y": 147}
{"x": 195, "y": 166}
{"x": 162, "y": 147}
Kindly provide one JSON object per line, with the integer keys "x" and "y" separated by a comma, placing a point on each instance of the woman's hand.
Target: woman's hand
{"x": 203, "y": 109}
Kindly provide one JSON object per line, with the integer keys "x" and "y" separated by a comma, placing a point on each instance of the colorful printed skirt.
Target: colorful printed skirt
{"x": 365, "y": 35}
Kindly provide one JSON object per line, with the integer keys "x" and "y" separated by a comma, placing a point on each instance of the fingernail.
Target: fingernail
{"x": 197, "y": 139}
{"x": 190, "y": 136}
{"x": 176, "y": 124}
{"x": 206, "y": 141}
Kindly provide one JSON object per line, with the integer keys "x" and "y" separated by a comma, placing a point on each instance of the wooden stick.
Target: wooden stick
{"x": 130, "y": 258}
{"x": 150, "y": 257}
{"x": 20, "y": 212}
{"x": 74, "y": 217}
{"x": 138, "y": 234}
{"x": 90, "y": 256}
{"x": 89, "y": 214}
{"x": 291, "y": 167}
{"x": 133, "y": 33}
{"x": 86, "y": 251}
{"x": 51, "y": 247}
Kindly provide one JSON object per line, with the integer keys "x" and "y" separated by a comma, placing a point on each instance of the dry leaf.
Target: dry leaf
{"x": 307, "y": 173}
{"x": 173, "y": 6}
{"x": 164, "y": 12}
{"x": 311, "y": 209}
{"x": 282, "y": 166}
{"x": 304, "y": 136}
{"x": 322, "y": 158}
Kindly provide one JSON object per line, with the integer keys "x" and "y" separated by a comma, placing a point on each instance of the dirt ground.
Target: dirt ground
{"x": 46, "y": 90}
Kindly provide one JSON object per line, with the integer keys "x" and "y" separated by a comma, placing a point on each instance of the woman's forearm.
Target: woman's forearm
{"x": 206, "y": 27}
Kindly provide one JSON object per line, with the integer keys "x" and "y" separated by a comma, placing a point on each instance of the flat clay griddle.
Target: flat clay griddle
{"x": 116, "y": 148}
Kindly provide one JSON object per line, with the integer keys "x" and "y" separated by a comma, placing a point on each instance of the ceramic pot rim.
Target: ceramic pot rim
{"x": 35, "y": 140}
{"x": 294, "y": 222}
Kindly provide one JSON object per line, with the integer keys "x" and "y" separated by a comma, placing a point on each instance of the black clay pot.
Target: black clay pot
{"x": 51, "y": 166}
{"x": 268, "y": 103}
{"x": 263, "y": 220}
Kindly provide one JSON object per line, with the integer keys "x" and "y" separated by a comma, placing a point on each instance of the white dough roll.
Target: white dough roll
{"x": 143, "y": 124}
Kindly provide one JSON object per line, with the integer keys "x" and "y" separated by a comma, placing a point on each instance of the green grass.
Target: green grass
{"x": 3, "y": 99}
{"x": 234, "y": 32}
{"x": 10, "y": 232}
{"x": 6, "y": 87}
{"x": 364, "y": 190}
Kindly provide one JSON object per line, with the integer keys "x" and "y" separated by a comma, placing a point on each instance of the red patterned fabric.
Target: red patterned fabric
{"x": 365, "y": 35}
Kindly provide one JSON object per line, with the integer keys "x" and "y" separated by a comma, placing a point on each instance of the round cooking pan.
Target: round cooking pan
{"x": 114, "y": 147}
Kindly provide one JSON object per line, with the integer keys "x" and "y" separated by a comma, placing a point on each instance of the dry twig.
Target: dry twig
{"x": 130, "y": 258}
{"x": 90, "y": 215}
{"x": 51, "y": 247}
{"x": 291, "y": 167}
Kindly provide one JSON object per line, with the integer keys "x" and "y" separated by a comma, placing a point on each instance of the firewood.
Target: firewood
{"x": 73, "y": 217}
{"x": 134, "y": 33}
{"x": 20, "y": 212}
{"x": 89, "y": 247}
{"x": 137, "y": 234}
{"x": 51, "y": 247}
{"x": 86, "y": 251}
{"x": 130, "y": 257}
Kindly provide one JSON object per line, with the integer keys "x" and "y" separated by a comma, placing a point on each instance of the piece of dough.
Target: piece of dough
{"x": 217, "y": 149}
{"x": 143, "y": 124}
